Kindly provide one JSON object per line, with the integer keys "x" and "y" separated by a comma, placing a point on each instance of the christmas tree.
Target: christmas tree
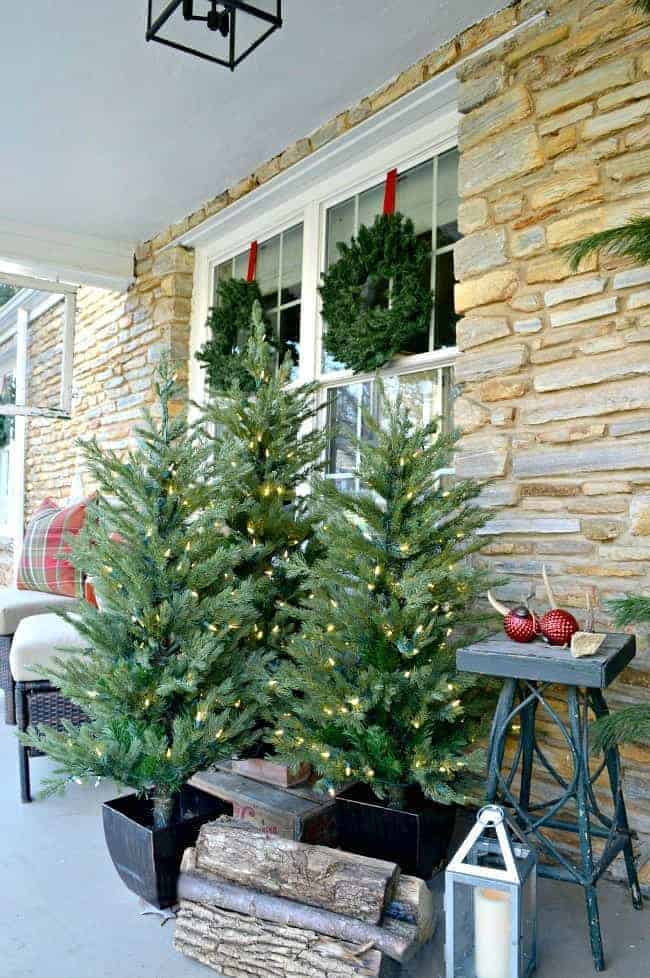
{"x": 268, "y": 444}
{"x": 164, "y": 679}
{"x": 632, "y": 722}
{"x": 378, "y": 696}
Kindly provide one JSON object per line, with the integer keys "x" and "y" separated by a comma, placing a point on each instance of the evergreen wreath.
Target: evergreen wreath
{"x": 229, "y": 322}
{"x": 376, "y": 297}
{"x": 7, "y": 396}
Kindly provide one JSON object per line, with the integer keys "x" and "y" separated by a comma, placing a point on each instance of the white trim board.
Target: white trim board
{"x": 327, "y": 165}
{"x": 61, "y": 256}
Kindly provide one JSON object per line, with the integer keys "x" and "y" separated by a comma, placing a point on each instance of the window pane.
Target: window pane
{"x": 223, "y": 272}
{"x": 371, "y": 203}
{"x": 447, "y": 206}
{"x": 340, "y": 227}
{"x": 268, "y": 270}
{"x": 291, "y": 264}
{"x": 423, "y": 393}
{"x": 445, "y": 314}
{"x": 4, "y": 486}
{"x": 290, "y": 335}
{"x": 343, "y": 419}
{"x": 241, "y": 265}
{"x": 415, "y": 197}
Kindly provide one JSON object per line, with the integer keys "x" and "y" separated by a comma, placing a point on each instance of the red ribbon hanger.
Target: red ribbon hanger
{"x": 252, "y": 262}
{"x": 390, "y": 191}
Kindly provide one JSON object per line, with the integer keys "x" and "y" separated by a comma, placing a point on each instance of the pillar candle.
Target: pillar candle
{"x": 492, "y": 933}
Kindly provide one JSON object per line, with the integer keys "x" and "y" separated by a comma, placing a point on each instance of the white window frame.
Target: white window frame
{"x": 421, "y": 125}
{"x": 56, "y": 290}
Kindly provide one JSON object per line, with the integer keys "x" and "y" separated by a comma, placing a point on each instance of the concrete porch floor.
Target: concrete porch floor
{"x": 65, "y": 913}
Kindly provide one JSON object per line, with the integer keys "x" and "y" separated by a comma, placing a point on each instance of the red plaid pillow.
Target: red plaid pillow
{"x": 41, "y": 567}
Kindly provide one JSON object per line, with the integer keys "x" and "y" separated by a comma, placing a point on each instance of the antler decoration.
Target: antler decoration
{"x": 549, "y": 590}
{"x": 500, "y": 608}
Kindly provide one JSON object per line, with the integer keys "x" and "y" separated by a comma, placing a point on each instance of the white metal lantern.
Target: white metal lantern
{"x": 491, "y": 902}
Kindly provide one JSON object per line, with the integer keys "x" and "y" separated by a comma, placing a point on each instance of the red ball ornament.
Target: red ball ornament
{"x": 558, "y": 626}
{"x": 520, "y": 624}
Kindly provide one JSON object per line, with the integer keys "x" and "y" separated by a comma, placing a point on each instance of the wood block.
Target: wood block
{"x": 345, "y": 883}
{"x": 271, "y": 773}
{"x": 290, "y": 813}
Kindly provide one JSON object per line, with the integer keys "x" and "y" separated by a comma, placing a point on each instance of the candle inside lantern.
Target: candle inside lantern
{"x": 492, "y": 933}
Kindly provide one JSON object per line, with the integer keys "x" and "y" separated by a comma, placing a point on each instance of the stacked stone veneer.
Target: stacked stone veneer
{"x": 118, "y": 343}
{"x": 555, "y": 366}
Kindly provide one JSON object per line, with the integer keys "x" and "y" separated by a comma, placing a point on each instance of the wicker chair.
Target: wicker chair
{"x": 37, "y": 640}
{"x": 16, "y": 605}
{"x": 7, "y": 680}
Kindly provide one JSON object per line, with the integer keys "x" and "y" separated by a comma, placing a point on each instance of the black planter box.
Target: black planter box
{"x": 417, "y": 838}
{"x": 147, "y": 859}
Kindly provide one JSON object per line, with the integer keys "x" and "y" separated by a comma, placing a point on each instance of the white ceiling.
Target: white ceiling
{"x": 108, "y": 136}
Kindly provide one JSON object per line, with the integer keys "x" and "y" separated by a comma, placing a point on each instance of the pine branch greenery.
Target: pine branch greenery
{"x": 164, "y": 677}
{"x": 643, "y": 5}
{"x": 633, "y": 722}
{"x": 371, "y": 692}
{"x": 267, "y": 445}
{"x": 632, "y": 240}
{"x": 229, "y": 324}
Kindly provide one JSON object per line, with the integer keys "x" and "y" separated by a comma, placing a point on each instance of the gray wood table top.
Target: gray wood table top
{"x": 499, "y": 656}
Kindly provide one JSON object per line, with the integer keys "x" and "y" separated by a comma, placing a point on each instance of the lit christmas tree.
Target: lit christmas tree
{"x": 267, "y": 446}
{"x": 164, "y": 680}
{"x": 371, "y": 692}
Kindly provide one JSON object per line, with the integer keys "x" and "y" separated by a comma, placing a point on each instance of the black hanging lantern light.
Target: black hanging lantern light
{"x": 238, "y": 25}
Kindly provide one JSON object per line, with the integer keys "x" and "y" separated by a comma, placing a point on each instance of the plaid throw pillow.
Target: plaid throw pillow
{"x": 41, "y": 567}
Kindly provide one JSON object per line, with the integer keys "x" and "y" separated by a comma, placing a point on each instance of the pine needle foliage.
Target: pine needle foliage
{"x": 163, "y": 679}
{"x": 229, "y": 324}
{"x": 643, "y": 5}
{"x": 632, "y": 240}
{"x": 371, "y": 692}
{"x": 633, "y": 722}
{"x": 268, "y": 445}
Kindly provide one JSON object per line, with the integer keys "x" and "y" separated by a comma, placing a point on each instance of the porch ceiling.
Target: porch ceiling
{"x": 109, "y": 138}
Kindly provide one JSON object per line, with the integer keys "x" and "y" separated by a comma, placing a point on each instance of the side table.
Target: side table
{"x": 529, "y": 670}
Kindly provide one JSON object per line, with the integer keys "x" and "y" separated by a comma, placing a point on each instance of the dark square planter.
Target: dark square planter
{"x": 147, "y": 859}
{"x": 416, "y": 838}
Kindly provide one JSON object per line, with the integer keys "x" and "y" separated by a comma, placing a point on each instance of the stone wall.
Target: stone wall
{"x": 119, "y": 340}
{"x": 555, "y": 366}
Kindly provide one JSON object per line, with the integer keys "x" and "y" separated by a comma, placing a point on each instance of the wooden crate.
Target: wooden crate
{"x": 297, "y": 812}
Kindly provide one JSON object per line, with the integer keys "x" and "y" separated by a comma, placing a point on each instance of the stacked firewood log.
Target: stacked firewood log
{"x": 258, "y": 906}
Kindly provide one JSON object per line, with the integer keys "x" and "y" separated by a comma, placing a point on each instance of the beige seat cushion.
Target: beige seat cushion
{"x": 16, "y": 604}
{"x": 39, "y": 640}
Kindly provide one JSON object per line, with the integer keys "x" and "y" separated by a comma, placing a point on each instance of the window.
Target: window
{"x": 300, "y": 216}
{"x": 279, "y": 276}
{"x": 428, "y": 195}
{"x": 7, "y": 454}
